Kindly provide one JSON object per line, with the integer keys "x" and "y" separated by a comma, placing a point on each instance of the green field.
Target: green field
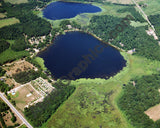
{"x": 9, "y": 21}
{"x": 138, "y": 24}
{"x": 10, "y": 55}
{"x": 152, "y": 7}
{"x": 16, "y": 1}
{"x": 93, "y": 104}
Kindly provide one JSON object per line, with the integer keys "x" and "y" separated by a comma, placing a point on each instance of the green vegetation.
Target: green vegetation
{"x": 23, "y": 126}
{"x": 2, "y": 71}
{"x": 41, "y": 112}
{"x": 16, "y": 1}
{"x": 152, "y": 7}
{"x": 9, "y": 21}
{"x": 40, "y": 61}
{"x": 142, "y": 96}
{"x": 94, "y": 102}
{"x": 134, "y": 13}
{"x": 10, "y": 55}
{"x": 3, "y": 108}
{"x": 19, "y": 44}
{"x": 26, "y": 76}
{"x": 138, "y": 24}
{"x": 4, "y": 87}
{"x": 3, "y": 45}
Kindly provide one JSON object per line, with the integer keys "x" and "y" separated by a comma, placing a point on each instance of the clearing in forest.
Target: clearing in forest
{"x": 123, "y": 1}
{"x": 16, "y": 1}
{"x": 9, "y": 21}
{"x": 154, "y": 113}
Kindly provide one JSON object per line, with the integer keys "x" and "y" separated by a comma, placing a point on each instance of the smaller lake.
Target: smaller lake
{"x": 62, "y": 10}
{"x": 81, "y": 55}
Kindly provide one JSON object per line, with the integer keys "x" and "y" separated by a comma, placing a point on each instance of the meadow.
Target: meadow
{"x": 16, "y": 1}
{"x": 9, "y": 21}
{"x": 94, "y": 102}
{"x": 152, "y": 7}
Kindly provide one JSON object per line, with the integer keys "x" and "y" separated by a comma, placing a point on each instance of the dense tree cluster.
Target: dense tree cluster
{"x": 42, "y": 111}
{"x": 4, "y": 87}
{"x": 102, "y": 26}
{"x": 2, "y": 71}
{"x": 3, "y": 108}
{"x": 137, "y": 99}
{"x": 120, "y": 30}
{"x": 137, "y": 38}
{"x": 3, "y": 45}
{"x": 155, "y": 20}
{"x": 20, "y": 44}
{"x": 26, "y": 76}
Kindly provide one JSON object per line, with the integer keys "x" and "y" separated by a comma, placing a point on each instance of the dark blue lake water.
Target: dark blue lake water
{"x": 80, "y": 55}
{"x": 62, "y": 10}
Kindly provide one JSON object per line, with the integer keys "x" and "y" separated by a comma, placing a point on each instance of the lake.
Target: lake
{"x": 62, "y": 10}
{"x": 80, "y": 55}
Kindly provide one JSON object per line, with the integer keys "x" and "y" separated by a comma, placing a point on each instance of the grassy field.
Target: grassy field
{"x": 123, "y": 1}
{"x": 152, "y": 8}
{"x": 6, "y": 55}
{"x": 2, "y": 15}
{"x": 9, "y": 21}
{"x": 93, "y": 104}
{"x": 138, "y": 24}
{"x": 10, "y": 55}
{"x": 16, "y": 1}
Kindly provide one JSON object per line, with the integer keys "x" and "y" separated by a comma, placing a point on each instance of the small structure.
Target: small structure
{"x": 122, "y": 45}
{"x": 131, "y": 51}
{"x": 69, "y": 26}
{"x": 150, "y": 32}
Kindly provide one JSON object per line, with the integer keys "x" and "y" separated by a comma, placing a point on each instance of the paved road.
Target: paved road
{"x": 15, "y": 111}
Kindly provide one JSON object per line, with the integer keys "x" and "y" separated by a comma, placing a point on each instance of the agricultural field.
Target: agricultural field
{"x": 16, "y": 1}
{"x": 93, "y": 104}
{"x": 9, "y": 21}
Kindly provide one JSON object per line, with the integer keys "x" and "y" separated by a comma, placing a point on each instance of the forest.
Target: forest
{"x": 155, "y": 20}
{"x": 4, "y": 87}
{"x": 3, "y": 45}
{"x": 26, "y": 76}
{"x": 106, "y": 27}
{"x": 3, "y": 108}
{"x": 38, "y": 114}
{"x": 137, "y": 99}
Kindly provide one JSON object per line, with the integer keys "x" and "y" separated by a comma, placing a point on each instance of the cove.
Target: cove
{"x": 70, "y": 49}
{"x": 62, "y": 10}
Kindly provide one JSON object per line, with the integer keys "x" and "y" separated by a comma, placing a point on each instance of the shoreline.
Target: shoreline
{"x": 98, "y": 38}
{"x": 78, "y": 30}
